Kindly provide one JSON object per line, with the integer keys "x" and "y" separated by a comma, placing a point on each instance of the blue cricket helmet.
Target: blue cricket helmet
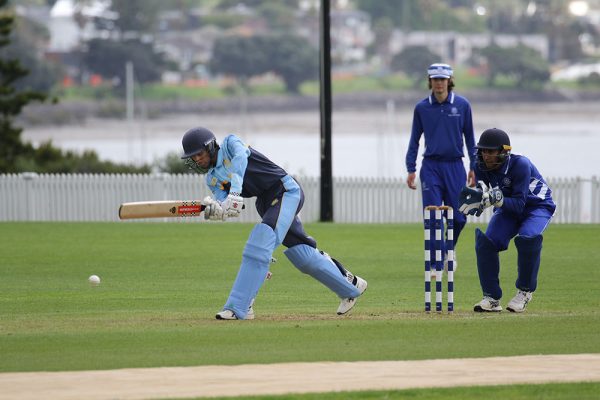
{"x": 197, "y": 139}
{"x": 194, "y": 142}
{"x": 493, "y": 139}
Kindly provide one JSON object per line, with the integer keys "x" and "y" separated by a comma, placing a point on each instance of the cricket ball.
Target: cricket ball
{"x": 94, "y": 280}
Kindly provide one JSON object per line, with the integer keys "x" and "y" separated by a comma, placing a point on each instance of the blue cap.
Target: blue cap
{"x": 440, "y": 71}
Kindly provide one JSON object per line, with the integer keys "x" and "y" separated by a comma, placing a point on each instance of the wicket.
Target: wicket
{"x": 435, "y": 213}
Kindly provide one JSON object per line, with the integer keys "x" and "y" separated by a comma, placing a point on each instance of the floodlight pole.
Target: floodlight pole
{"x": 325, "y": 106}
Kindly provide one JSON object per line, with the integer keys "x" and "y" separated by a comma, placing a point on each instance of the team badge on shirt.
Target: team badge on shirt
{"x": 225, "y": 185}
{"x": 454, "y": 112}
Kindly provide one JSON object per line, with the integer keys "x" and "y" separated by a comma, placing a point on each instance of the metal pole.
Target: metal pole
{"x": 325, "y": 106}
{"x": 129, "y": 102}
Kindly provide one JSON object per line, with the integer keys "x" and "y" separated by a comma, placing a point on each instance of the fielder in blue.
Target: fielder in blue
{"x": 235, "y": 172}
{"x": 523, "y": 208}
{"x": 445, "y": 119}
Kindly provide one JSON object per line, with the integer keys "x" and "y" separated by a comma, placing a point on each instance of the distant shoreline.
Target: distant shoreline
{"x": 65, "y": 113}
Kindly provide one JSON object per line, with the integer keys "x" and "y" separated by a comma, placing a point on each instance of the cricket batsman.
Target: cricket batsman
{"x": 234, "y": 172}
{"x": 523, "y": 208}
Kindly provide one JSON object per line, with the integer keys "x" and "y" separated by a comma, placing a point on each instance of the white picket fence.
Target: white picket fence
{"x": 96, "y": 197}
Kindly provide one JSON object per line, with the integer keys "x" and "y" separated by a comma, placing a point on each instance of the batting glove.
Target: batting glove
{"x": 213, "y": 210}
{"x": 233, "y": 204}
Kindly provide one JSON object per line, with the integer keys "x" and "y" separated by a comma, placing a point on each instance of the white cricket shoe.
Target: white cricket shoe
{"x": 226, "y": 314}
{"x": 519, "y": 302}
{"x": 229, "y": 315}
{"x": 487, "y": 304}
{"x": 347, "y": 304}
{"x": 250, "y": 314}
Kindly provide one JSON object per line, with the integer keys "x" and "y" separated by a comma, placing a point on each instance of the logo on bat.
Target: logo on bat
{"x": 191, "y": 210}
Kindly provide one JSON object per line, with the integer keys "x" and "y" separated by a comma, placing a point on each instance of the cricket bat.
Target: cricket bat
{"x": 161, "y": 209}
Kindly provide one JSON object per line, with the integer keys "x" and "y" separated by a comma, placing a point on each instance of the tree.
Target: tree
{"x": 552, "y": 17}
{"x": 413, "y": 61}
{"x": 17, "y": 156}
{"x": 49, "y": 159}
{"x": 12, "y": 101}
{"x": 136, "y": 15}
{"x": 173, "y": 164}
{"x": 27, "y": 40}
{"x": 383, "y": 28}
{"x": 293, "y": 59}
{"x": 290, "y": 57}
{"x": 108, "y": 58}
{"x": 400, "y": 15}
{"x": 239, "y": 56}
{"x": 431, "y": 15}
{"x": 525, "y": 65}
{"x": 278, "y": 15}
{"x": 226, "y": 4}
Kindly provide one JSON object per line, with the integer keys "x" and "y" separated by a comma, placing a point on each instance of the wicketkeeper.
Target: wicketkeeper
{"x": 523, "y": 208}
{"x": 234, "y": 172}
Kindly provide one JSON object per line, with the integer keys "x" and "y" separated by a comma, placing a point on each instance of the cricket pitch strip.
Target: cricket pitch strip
{"x": 296, "y": 378}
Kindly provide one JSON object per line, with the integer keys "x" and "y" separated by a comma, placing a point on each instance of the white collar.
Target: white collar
{"x": 450, "y": 98}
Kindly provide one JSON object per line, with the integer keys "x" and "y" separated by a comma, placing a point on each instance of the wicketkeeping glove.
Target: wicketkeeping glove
{"x": 233, "y": 204}
{"x": 470, "y": 201}
{"x": 490, "y": 196}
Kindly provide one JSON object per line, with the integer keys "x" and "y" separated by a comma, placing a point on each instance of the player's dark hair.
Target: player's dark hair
{"x": 450, "y": 84}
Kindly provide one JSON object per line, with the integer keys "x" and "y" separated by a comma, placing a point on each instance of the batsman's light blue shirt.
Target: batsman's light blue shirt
{"x": 228, "y": 173}
{"x": 444, "y": 125}
{"x": 242, "y": 169}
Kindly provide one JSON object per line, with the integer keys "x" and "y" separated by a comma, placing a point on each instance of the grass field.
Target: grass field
{"x": 582, "y": 391}
{"x": 162, "y": 284}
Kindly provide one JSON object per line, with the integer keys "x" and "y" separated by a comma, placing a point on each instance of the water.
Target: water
{"x": 562, "y": 139}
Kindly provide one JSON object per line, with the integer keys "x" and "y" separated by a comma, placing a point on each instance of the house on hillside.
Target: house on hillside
{"x": 458, "y": 48}
{"x": 351, "y": 34}
{"x": 70, "y": 23}
{"x": 190, "y": 49}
